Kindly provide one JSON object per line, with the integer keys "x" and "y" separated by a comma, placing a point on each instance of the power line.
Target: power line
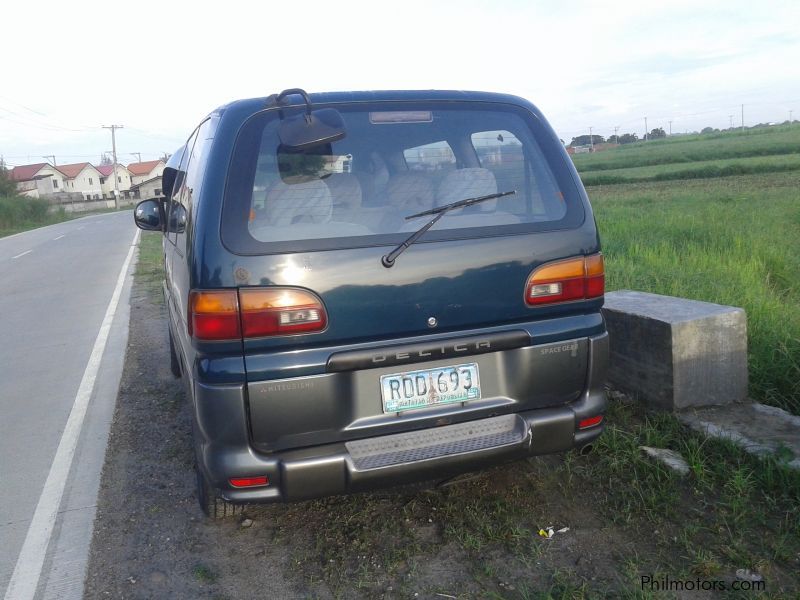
{"x": 38, "y": 125}
{"x": 37, "y": 122}
{"x": 22, "y": 106}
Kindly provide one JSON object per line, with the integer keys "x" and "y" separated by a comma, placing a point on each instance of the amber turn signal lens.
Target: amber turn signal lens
{"x": 214, "y": 315}
{"x": 576, "y": 278}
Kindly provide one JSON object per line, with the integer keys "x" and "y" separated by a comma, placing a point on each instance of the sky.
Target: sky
{"x": 158, "y": 68}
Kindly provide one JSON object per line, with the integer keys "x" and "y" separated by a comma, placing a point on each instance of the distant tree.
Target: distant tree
{"x": 613, "y": 139}
{"x": 658, "y": 132}
{"x": 628, "y": 138}
{"x": 105, "y": 159}
{"x": 585, "y": 140}
{"x": 708, "y": 130}
{"x": 7, "y": 187}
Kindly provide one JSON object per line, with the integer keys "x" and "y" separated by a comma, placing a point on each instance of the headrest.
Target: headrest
{"x": 306, "y": 202}
{"x": 410, "y": 192}
{"x": 345, "y": 190}
{"x": 473, "y": 182}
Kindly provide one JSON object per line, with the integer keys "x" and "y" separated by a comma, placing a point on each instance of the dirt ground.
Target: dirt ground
{"x": 477, "y": 537}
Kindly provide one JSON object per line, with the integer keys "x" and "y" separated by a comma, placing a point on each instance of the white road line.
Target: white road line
{"x": 23, "y": 254}
{"x": 28, "y": 569}
{"x": 58, "y": 238}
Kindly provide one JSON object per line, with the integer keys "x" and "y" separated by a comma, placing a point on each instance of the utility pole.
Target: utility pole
{"x": 137, "y": 154}
{"x": 591, "y": 140}
{"x": 742, "y": 118}
{"x": 113, "y": 129}
{"x": 616, "y": 137}
{"x": 645, "y": 129}
{"x": 670, "y": 129}
{"x": 730, "y": 118}
{"x": 790, "y": 117}
{"x": 51, "y": 156}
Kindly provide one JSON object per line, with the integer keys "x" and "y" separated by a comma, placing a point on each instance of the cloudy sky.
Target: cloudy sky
{"x": 158, "y": 67}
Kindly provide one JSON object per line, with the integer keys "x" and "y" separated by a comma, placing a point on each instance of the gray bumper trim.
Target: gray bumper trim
{"x": 433, "y": 443}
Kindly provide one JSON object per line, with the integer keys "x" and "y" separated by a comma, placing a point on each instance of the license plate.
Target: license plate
{"x": 429, "y": 387}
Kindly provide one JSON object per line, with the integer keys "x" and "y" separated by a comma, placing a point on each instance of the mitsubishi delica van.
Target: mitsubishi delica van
{"x": 368, "y": 289}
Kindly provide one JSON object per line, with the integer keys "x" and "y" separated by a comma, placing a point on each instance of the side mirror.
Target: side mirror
{"x": 168, "y": 181}
{"x": 149, "y": 215}
{"x": 169, "y": 178}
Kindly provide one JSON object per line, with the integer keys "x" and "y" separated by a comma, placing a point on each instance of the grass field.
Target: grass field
{"x": 767, "y": 141}
{"x": 730, "y": 240}
{"x": 21, "y": 214}
{"x": 702, "y": 169}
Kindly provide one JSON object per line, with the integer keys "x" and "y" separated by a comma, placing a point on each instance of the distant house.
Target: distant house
{"x": 124, "y": 180}
{"x": 152, "y": 188}
{"x": 38, "y": 180}
{"x": 83, "y": 178}
{"x": 144, "y": 171}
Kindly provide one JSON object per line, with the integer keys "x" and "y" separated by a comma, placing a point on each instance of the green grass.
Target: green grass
{"x": 732, "y": 509}
{"x": 203, "y": 574}
{"x": 150, "y": 266}
{"x": 19, "y": 214}
{"x": 733, "y": 241}
{"x": 768, "y": 141}
{"x": 705, "y": 169}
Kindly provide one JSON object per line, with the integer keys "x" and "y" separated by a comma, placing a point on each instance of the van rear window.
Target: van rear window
{"x": 394, "y": 161}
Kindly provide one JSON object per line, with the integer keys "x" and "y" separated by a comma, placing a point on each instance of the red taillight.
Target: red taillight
{"x": 254, "y": 312}
{"x": 243, "y": 482}
{"x": 564, "y": 280}
{"x": 280, "y": 311}
{"x": 214, "y": 315}
{"x": 590, "y": 422}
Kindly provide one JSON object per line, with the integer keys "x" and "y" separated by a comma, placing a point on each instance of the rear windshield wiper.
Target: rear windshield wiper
{"x": 388, "y": 259}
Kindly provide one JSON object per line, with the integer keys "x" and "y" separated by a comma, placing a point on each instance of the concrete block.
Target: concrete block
{"x": 674, "y": 353}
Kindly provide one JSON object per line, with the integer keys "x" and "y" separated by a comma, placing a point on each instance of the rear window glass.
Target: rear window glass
{"x": 395, "y": 161}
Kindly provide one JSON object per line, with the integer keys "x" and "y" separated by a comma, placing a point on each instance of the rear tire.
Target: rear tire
{"x": 174, "y": 362}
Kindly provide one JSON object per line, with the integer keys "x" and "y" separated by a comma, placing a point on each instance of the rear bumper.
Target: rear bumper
{"x": 344, "y": 467}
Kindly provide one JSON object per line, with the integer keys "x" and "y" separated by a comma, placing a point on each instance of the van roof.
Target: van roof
{"x": 394, "y": 95}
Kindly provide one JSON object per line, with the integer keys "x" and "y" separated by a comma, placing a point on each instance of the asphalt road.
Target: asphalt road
{"x": 62, "y": 349}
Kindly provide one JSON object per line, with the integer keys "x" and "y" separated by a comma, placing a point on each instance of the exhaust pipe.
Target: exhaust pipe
{"x": 587, "y": 449}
